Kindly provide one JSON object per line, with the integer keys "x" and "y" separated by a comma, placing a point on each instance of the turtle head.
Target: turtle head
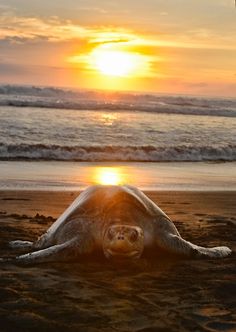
{"x": 123, "y": 242}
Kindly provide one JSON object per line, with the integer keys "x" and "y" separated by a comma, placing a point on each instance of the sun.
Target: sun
{"x": 115, "y": 63}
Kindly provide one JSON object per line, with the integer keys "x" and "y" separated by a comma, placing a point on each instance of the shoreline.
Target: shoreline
{"x": 161, "y": 176}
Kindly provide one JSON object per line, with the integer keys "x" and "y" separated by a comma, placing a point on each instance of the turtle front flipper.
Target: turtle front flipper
{"x": 20, "y": 244}
{"x": 215, "y": 252}
{"x": 50, "y": 254}
{"x": 177, "y": 245}
{"x": 57, "y": 253}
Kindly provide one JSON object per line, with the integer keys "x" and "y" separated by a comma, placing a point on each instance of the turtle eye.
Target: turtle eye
{"x": 110, "y": 234}
{"x": 133, "y": 236}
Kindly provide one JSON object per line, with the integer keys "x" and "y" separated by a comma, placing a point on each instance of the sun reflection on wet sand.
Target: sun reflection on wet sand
{"x": 108, "y": 176}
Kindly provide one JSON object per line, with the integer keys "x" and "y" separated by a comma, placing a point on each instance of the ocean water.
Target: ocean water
{"x": 55, "y": 124}
{"x": 55, "y": 139}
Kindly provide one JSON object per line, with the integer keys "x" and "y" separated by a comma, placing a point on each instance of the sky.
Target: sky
{"x": 161, "y": 46}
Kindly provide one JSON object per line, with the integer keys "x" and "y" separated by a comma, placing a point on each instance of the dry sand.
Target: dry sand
{"x": 164, "y": 295}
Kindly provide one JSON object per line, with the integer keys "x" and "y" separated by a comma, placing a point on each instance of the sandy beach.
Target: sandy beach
{"x": 163, "y": 295}
{"x": 138, "y": 93}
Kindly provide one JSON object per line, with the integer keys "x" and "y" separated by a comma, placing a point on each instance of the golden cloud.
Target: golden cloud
{"x": 54, "y": 29}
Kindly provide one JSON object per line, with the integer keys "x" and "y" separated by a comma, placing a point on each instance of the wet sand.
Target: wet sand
{"x": 151, "y": 295}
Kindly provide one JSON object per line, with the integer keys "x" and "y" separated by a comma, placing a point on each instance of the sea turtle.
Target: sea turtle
{"x": 120, "y": 221}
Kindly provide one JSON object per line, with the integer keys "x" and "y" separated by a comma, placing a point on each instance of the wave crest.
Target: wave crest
{"x": 50, "y": 97}
{"x": 117, "y": 153}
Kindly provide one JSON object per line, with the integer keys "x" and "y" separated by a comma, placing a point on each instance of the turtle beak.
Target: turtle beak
{"x": 121, "y": 254}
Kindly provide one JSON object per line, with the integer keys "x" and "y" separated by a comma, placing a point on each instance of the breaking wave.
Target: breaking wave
{"x": 117, "y": 153}
{"x": 50, "y": 97}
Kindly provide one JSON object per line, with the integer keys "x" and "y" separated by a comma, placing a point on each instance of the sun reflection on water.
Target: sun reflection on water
{"x": 108, "y": 118}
